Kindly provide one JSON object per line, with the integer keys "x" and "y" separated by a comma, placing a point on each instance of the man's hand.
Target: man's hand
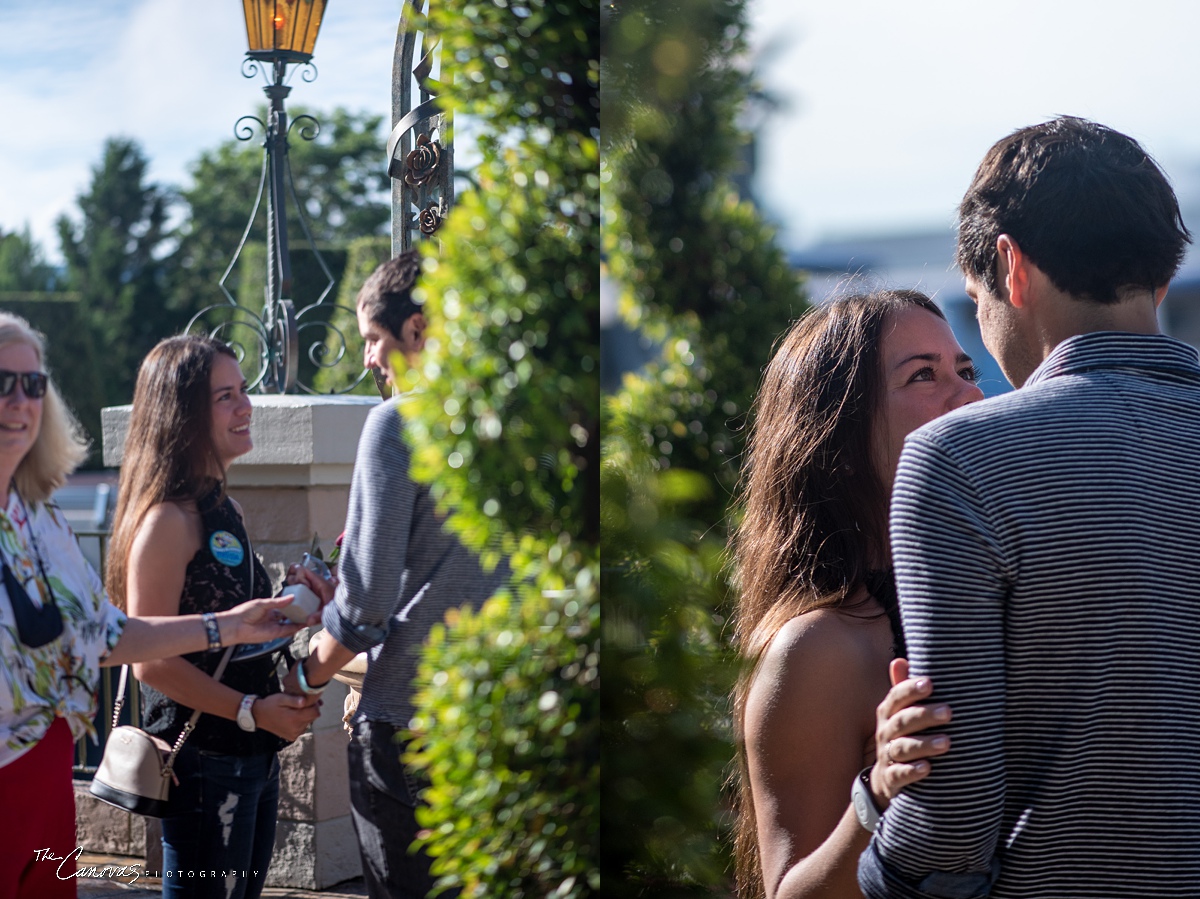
{"x": 298, "y": 574}
{"x": 901, "y": 756}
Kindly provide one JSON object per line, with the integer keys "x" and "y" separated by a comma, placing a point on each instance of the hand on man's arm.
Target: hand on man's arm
{"x": 939, "y": 837}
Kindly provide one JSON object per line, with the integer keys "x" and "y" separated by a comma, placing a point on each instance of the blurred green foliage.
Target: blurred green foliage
{"x": 699, "y": 272}
{"x": 506, "y": 432}
{"x": 511, "y": 747}
{"x": 23, "y": 266}
{"x": 342, "y": 360}
{"x": 32, "y": 288}
{"x": 666, "y": 668}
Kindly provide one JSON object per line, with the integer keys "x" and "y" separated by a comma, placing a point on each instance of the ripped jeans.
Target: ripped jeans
{"x": 218, "y": 841}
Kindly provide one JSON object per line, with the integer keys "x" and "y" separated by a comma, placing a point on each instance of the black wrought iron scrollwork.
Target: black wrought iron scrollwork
{"x": 308, "y": 72}
{"x": 323, "y": 352}
{"x": 236, "y": 326}
{"x": 245, "y": 132}
{"x": 282, "y": 349}
{"x": 420, "y": 150}
{"x": 251, "y": 68}
{"x": 328, "y": 346}
{"x": 308, "y": 131}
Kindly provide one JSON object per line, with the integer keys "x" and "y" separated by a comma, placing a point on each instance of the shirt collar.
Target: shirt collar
{"x": 1118, "y": 349}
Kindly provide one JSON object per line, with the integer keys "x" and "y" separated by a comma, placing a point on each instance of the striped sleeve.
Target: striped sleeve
{"x": 939, "y": 837}
{"x": 374, "y": 550}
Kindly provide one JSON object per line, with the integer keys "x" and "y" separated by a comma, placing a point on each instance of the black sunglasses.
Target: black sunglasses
{"x": 32, "y": 382}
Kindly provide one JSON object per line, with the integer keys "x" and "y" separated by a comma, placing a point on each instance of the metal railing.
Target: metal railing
{"x": 94, "y": 543}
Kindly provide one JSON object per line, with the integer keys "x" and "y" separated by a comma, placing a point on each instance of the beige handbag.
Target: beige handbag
{"x": 137, "y": 768}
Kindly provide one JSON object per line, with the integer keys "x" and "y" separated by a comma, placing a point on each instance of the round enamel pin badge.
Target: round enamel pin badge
{"x": 226, "y": 548}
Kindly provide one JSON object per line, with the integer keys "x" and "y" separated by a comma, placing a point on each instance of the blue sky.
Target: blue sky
{"x": 167, "y": 73}
{"x": 892, "y": 105}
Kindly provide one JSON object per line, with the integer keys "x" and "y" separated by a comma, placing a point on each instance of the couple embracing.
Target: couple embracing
{"x": 1032, "y": 558}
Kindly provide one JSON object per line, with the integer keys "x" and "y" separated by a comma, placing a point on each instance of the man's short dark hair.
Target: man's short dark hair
{"x": 386, "y": 296}
{"x": 1085, "y": 203}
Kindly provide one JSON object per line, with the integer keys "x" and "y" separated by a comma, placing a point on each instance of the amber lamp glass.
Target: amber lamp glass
{"x": 282, "y": 29}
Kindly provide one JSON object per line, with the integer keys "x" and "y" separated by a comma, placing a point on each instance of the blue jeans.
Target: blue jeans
{"x": 219, "y": 838}
{"x": 383, "y": 807}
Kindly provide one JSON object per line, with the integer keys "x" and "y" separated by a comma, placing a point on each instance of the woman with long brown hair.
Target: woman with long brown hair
{"x": 817, "y": 619}
{"x": 180, "y": 546}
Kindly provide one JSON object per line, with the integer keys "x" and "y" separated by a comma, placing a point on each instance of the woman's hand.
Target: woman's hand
{"x": 256, "y": 621}
{"x": 285, "y": 715}
{"x": 901, "y": 755}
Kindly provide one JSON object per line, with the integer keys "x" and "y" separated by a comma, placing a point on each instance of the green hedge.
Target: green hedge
{"x": 697, "y": 270}
{"x": 506, "y": 432}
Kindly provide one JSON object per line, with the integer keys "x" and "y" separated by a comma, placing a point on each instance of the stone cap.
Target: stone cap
{"x": 297, "y": 439}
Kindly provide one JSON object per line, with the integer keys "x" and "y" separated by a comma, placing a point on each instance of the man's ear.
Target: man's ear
{"x": 1012, "y": 271}
{"x": 1160, "y": 295}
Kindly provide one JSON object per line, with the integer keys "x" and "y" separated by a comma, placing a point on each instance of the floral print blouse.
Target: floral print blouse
{"x": 60, "y": 678}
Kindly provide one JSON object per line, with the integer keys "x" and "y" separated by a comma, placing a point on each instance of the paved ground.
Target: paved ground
{"x": 120, "y": 888}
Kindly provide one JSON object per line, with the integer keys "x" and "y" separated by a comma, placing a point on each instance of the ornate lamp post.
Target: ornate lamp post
{"x": 281, "y": 36}
{"x": 280, "y": 33}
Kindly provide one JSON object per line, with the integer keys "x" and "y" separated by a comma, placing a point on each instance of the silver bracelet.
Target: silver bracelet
{"x": 214, "y": 632}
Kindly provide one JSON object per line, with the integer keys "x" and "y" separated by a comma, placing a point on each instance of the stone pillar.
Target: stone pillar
{"x": 293, "y": 485}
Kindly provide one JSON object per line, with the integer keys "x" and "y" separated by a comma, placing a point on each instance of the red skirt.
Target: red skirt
{"x": 37, "y": 806}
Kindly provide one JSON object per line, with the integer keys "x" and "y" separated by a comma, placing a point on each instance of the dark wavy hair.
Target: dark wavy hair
{"x": 1086, "y": 204}
{"x": 814, "y": 507}
{"x": 169, "y": 450}
{"x": 386, "y": 296}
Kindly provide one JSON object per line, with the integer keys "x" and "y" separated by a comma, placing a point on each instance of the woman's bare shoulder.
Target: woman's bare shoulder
{"x": 825, "y": 637}
{"x": 168, "y": 524}
{"x": 823, "y": 660}
{"x": 167, "y": 515}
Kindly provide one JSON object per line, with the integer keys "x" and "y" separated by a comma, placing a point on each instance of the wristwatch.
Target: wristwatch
{"x": 864, "y": 801}
{"x": 245, "y": 717}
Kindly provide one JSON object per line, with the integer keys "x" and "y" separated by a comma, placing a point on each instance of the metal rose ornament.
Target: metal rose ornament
{"x": 421, "y": 165}
{"x": 420, "y": 148}
{"x": 430, "y": 218}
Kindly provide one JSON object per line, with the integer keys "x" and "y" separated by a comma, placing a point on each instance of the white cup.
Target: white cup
{"x": 304, "y": 603}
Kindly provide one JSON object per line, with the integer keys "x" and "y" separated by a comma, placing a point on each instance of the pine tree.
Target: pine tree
{"x": 114, "y": 262}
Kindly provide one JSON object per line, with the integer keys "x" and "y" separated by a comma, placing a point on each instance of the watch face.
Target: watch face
{"x": 864, "y": 804}
{"x": 245, "y": 717}
{"x": 860, "y": 808}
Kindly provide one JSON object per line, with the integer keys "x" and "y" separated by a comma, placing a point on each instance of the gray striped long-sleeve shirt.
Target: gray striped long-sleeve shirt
{"x": 399, "y": 570}
{"x": 1047, "y": 551}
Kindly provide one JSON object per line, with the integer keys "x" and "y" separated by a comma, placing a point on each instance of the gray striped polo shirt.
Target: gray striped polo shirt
{"x": 1047, "y": 547}
{"x": 400, "y": 570}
